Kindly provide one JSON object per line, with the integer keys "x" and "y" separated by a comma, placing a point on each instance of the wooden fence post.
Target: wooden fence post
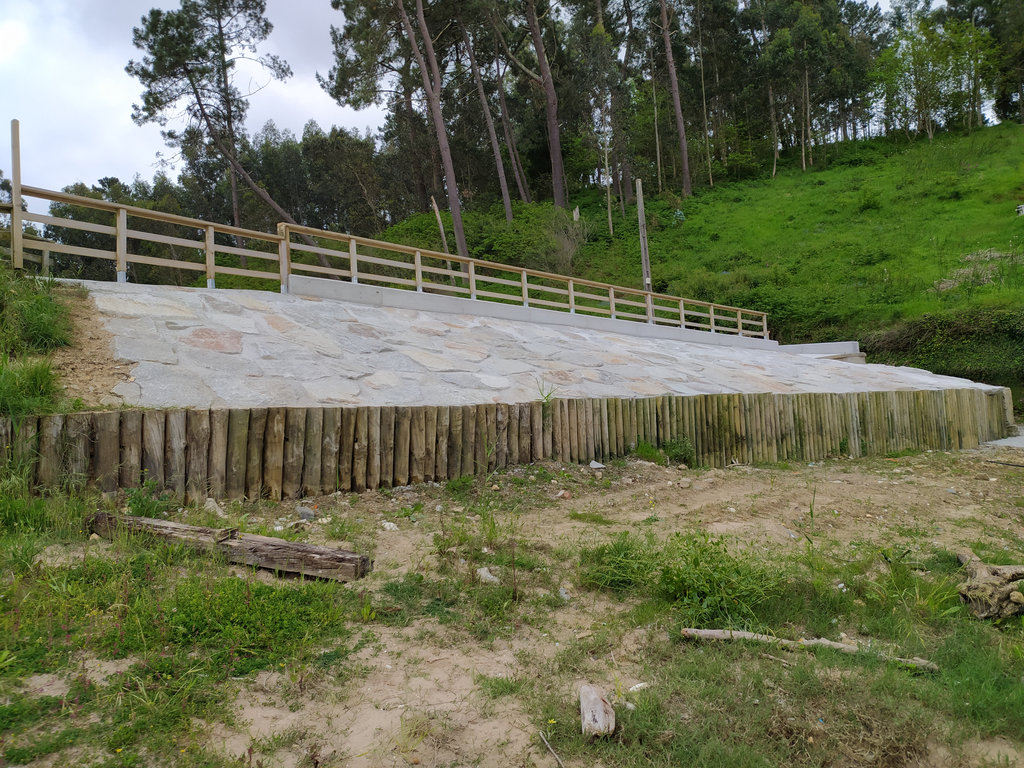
{"x": 211, "y": 252}
{"x": 122, "y": 245}
{"x": 17, "y": 237}
{"x": 284, "y": 255}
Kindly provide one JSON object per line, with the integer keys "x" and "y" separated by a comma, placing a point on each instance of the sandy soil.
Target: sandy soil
{"x": 417, "y": 700}
{"x": 87, "y": 367}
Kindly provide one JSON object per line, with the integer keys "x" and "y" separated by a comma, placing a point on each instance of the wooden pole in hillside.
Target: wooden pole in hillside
{"x": 17, "y": 242}
{"x": 645, "y": 256}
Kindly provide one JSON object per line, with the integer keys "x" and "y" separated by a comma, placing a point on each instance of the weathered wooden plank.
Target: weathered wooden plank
{"x": 346, "y": 448}
{"x": 216, "y": 469}
{"x": 273, "y": 453}
{"x": 525, "y": 441}
{"x": 330, "y": 450}
{"x": 254, "y": 454}
{"x": 491, "y": 418}
{"x": 589, "y": 429}
{"x": 565, "y": 441}
{"x": 76, "y": 450}
{"x": 429, "y": 442}
{"x": 6, "y": 440}
{"x": 455, "y": 442}
{"x": 403, "y": 444}
{"x": 197, "y": 433}
{"x": 249, "y": 549}
{"x": 373, "y": 440}
{"x": 25, "y": 445}
{"x": 469, "y": 440}
{"x": 387, "y": 446}
{"x": 238, "y": 452}
{"x": 501, "y": 421}
{"x": 176, "y": 451}
{"x": 417, "y": 445}
{"x": 480, "y": 438}
{"x": 312, "y": 451}
{"x": 153, "y": 435}
{"x": 105, "y": 428}
{"x": 360, "y": 442}
{"x": 441, "y": 450}
{"x": 537, "y": 430}
{"x": 548, "y": 429}
{"x": 606, "y": 433}
{"x": 48, "y": 470}
{"x": 130, "y": 444}
{"x": 294, "y": 445}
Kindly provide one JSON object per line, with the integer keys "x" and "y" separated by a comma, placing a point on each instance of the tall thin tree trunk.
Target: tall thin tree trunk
{"x": 510, "y": 139}
{"x": 550, "y": 108}
{"x": 489, "y": 121}
{"x": 807, "y": 114}
{"x": 676, "y": 103}
{"x": 432, "y": 88}
{"x": 657, "y": 131}
{"x": 419, "y": 182}
{"x": 704, "y": 102}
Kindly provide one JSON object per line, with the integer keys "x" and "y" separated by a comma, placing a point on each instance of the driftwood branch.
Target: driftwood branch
{"x": 991, "y": 591}
{"x": 597, "y": 716}
{"x": 729, "y": 634}
{"x": 246, "y": 548}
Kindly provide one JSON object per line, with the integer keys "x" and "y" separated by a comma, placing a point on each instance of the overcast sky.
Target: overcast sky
{"x": 62, "y": 73}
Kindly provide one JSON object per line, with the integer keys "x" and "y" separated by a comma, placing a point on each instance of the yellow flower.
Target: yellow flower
{"x": 552, "y": 722}
{"x": 118, "y": 749}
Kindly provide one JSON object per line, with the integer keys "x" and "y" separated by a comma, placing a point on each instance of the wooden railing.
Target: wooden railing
{"x": 198, "y": 246}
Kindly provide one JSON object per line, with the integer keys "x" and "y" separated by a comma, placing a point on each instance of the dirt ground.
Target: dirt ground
{"x": 87, "y": 367}
{"x": 418, "y": 701}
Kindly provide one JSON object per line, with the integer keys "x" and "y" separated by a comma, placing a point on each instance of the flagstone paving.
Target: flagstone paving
{"x": 207, "y": 347}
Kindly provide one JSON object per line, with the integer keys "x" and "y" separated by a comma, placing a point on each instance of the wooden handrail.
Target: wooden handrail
{"x": 563, "y": 293}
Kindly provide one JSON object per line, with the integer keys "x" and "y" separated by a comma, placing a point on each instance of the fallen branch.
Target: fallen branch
{"x": 730, "y": 634}
{"x": 246, "y": 548}
{"x": 991, "y": 591}
{"x": 553, "y": 753}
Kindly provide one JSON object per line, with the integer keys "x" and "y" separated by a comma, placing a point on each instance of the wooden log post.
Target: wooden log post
{"x": 238, "y": 453}
{"x": 346, "y": 449}
{"x": 197, "y": 432}
{"x": 153, "y": 436}
{"x": 373, "y": 447}
{"x": 273, "y": 453}
{"x": 359, "y": 448}
{"x": 254, "y": 451}
{"x": 130, "y": 444}
{"x": 217, "y": 468}
{"x": 403, "y": 440}
{"x": 491, "y": 419}
{"x": 418, "y": 445}
{"x": 469, "y": 440}
{"x": 537, "y": 430}
{"x": 312, "y": 459}
{"x": 525, "y": 436}
{"x": 176, "y": 451}
{"x": 329, "y": 452}
{"x": 482, "y": 449}
{"x": 501, "y": 436}
{"x": 294, "y": 444}
{"x": 455, "y": 442}
{"x": 106, "y": 454}
{"x": 429, "y": 442}
{"x": 387, "y": 446}
{"x": 48, "y": 470}
{"x": 441, "y": 450}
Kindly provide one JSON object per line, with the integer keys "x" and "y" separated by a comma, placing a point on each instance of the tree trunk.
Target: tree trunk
{"x": 489, "y": 121}
{"x": 432, "y": 88}
{"x": 418, "y": 181}
{"x": 676, "y": 103}
{"x": 510, "y": 140}
{"x": 550, "y": 108}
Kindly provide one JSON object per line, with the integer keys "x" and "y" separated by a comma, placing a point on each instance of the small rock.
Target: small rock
{"x": 630, "y": 706}
{"x": 563, "y": 494}
{"x": 486, "y": 577}
{"x": 387, "y": 525}
{"x": 638, "y": 687}
{"x": 298, "y": 525}
{"x": 684, "y": 482}
{"x": 731, "y": 510}
{"x": 599, "y": 475}
{"x": 495, "y": 487}
{"x": 278, "y": 528}
{"x": 596, "y": 465}
{"x": 564, "y": 594}
{"x": 324, "y": 520}
{"x": 305, "y": 513}
{"x": 94, "y": 537}
{"x": 211, "y": 505}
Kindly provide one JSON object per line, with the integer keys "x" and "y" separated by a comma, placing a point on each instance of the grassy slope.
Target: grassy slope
{"x": 851, "y": 249}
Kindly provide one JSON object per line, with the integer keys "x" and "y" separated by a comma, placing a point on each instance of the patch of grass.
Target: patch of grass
{"x": 595, "y": 518}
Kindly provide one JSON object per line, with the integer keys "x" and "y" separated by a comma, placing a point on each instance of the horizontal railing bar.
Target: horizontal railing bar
{"x": 246, "y": 272}
{"x": 156, "y": 261}
{"x": 85, "y": 226}
{"x": 335, "y": 271}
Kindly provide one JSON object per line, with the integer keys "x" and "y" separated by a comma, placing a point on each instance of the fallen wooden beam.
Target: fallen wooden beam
{"x": 247, "y": 548}
{"x": 730, "y": 634}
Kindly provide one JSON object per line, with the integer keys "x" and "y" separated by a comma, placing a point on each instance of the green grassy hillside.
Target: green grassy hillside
{"x": 912, "y": 248}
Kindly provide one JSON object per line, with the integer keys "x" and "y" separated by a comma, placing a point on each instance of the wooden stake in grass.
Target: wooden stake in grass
{"x": 597, "y": 716}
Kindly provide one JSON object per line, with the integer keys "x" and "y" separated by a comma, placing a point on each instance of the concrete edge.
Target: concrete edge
{"x": 377, "y": 296}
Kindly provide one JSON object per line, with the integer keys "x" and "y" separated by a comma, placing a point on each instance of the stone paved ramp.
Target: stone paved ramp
{"x": 203, "y": 348}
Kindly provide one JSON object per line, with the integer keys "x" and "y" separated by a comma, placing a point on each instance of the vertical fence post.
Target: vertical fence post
{"x": 122, "y": 245}
{"x": 764, "y": 325}
{"x": 353, "y": 261}
{"x": 211, "y": 252}
{"x": 682, "y": 314}
{"x": 17, "y": 239}
{"x": 650, "y": 307}
{"x": 526, "y": 290}
{"x": 284, "y": 255}
{"x": 572, "y": 297}
{"x": 418, "y": 263}
{"x": 45, "y": 266}
{"x": 472, "y": 279}
{"x": 739, "y": 321}
{"x": 711, "y": 317}
{"x": 611, "y": 302}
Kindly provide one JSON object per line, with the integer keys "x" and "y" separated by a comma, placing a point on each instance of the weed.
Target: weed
{"x": 647, "y": 452}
